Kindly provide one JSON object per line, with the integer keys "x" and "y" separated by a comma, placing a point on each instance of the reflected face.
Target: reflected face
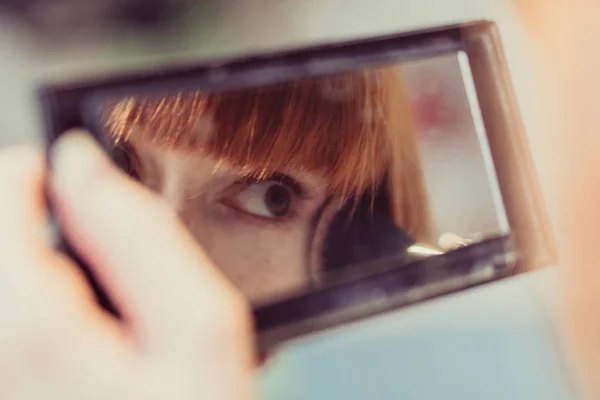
{"x": 258, "y": 174}
{"x": 258, "y": 231}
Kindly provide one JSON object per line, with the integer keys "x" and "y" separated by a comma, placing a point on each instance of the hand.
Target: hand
{"x": 568, "y": 147}
{"x": 186, "y": 332}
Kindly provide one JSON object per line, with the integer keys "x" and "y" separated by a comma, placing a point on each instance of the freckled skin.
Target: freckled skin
{"x": 265, "y": 259}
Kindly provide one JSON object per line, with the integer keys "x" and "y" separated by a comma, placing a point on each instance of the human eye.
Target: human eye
{"x": 271, "y": 198}
{"x": 126, "y": 158}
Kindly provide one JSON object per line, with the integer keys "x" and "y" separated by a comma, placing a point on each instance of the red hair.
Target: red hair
{"x": 355, "y": 128}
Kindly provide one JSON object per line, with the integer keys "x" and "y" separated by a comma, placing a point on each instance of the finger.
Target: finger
{"x": 24, "y": 248}
{"x": 29, "y": 266}
{"x": 156, "y": 274}
{"x": 41, "y": 296}
{"x": 23, "y": 213}
{"x": 27, "y": 258}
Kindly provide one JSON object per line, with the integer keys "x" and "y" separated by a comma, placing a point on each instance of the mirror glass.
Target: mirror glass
{"x": 288, "y": 185}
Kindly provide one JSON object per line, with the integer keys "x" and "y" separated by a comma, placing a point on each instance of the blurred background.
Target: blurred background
{"x": 72, "y": 45}
{"x": 492, "y": 344}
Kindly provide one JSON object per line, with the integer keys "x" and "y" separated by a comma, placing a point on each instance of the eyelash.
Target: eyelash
{"x": 126, "y": 158}
{"x": 281, "y": 179}
{"x": 298, "y": 192}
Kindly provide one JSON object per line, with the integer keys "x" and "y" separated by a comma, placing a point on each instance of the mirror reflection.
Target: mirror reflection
{"x": 287, "y": 185}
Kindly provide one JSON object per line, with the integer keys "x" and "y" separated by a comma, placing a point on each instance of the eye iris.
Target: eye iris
{"x": 278, "y": 200}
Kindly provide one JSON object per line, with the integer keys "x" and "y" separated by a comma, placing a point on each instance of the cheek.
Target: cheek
{"x": 262, "y": 266}
{"x": 262, "y": 261}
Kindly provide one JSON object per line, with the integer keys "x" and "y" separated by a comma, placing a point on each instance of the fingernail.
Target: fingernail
{"x": 77, "y": 160}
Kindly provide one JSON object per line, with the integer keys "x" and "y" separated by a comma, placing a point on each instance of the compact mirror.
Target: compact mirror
{"x": 334, "y": 182}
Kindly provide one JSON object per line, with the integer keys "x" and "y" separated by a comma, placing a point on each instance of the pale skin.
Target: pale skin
{"x": 56, "y": 344}
{"x": 258, "y": 232}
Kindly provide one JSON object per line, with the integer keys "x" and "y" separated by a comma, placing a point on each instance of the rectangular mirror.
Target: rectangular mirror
{"x": 335, "y": 182}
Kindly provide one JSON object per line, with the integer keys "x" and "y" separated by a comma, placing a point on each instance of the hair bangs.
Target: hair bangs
{"x": 336, "y": 125}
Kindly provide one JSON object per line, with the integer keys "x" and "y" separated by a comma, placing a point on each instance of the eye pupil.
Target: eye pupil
{"x": 278, "y": 200}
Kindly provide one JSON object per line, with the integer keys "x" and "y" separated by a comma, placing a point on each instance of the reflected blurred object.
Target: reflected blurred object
{"x": 62, "y": 17}
{"x": 423, "y": 250}
{"x": 451, "y": 241}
